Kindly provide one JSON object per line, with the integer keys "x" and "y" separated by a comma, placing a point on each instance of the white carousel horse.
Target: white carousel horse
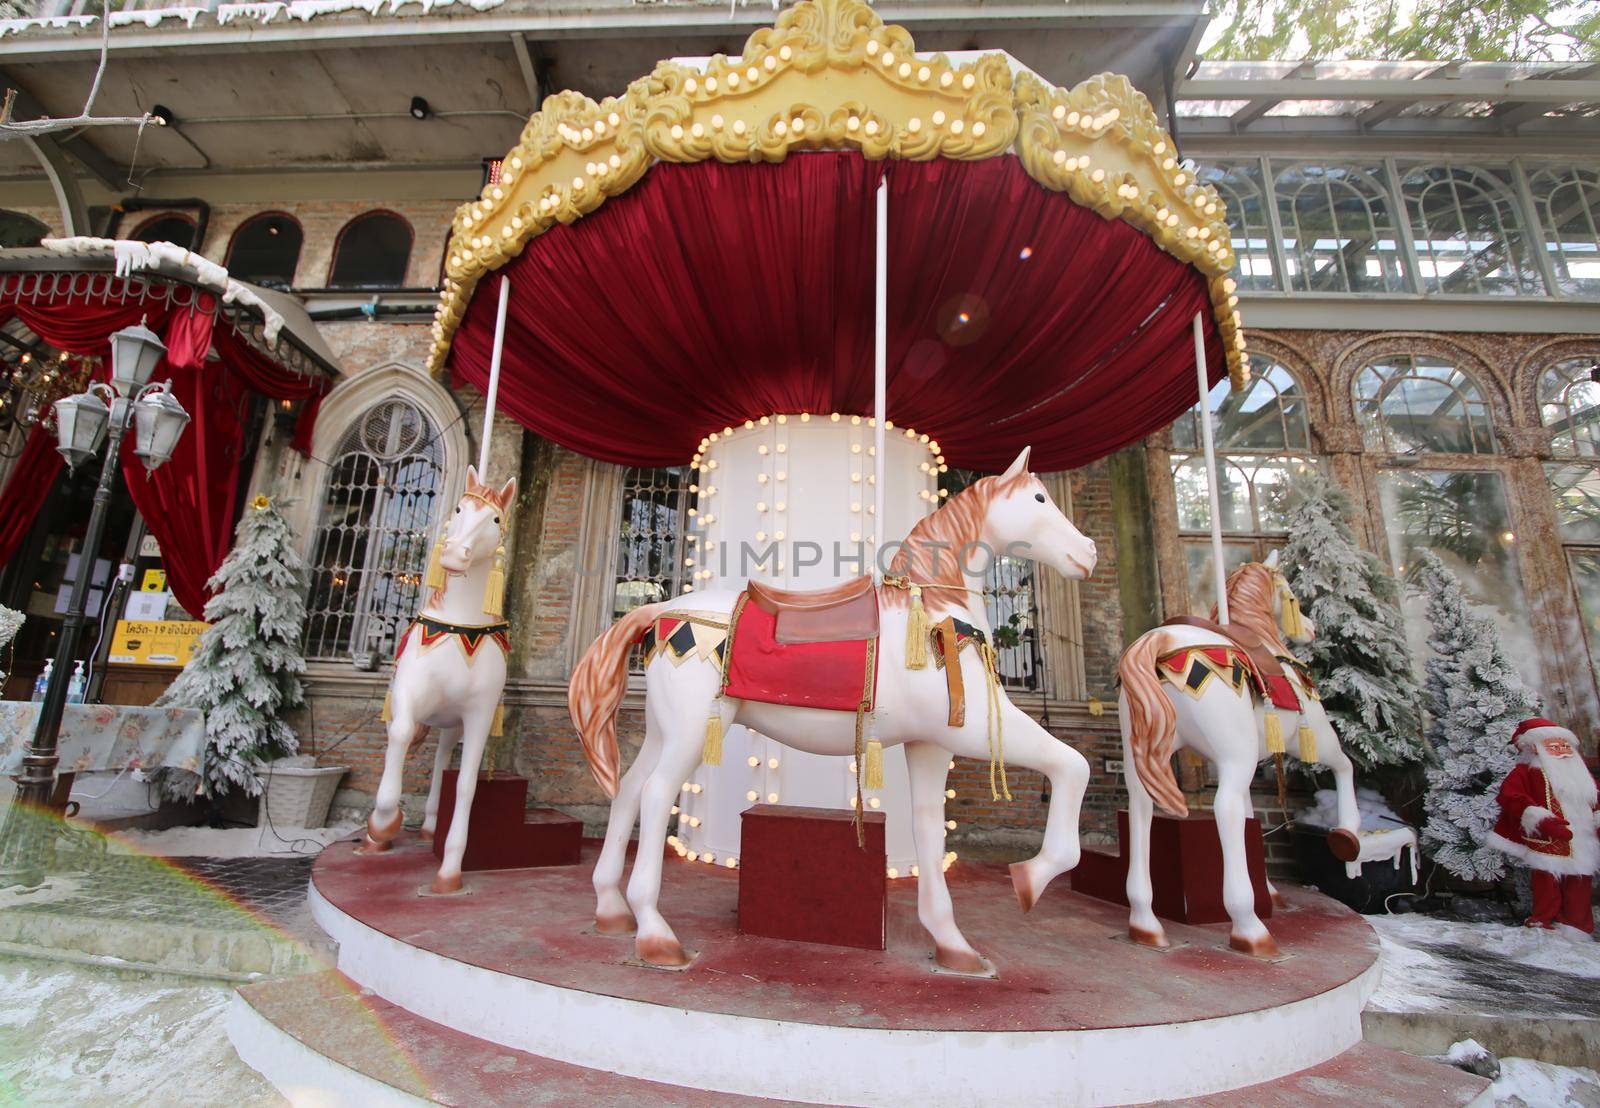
{"x": 1232, "y": 727}
{"x": 450, "y": 671}
{"x": 912, "y": 708}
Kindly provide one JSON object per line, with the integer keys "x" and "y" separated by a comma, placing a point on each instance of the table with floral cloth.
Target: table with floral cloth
{"x": 108, "y": 737}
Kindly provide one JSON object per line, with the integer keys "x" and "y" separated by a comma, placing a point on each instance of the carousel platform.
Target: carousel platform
{"x": 507, "y": 995}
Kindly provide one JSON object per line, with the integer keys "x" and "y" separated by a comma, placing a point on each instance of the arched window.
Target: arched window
{"x": 17, "y": 229}
{"x": 373, "y": 252}
{"x": 1568, "y": 201}
{"x": 1468, "y": 235}
{"x": 650, "y": 537}
{"x": 1239, "y": 186}
{"x": 1414, "y": 404}
{"x": 1338, "y": 228}
{"x": 1569, "y": 404}
{"x": 1263, "y": 441}
{"x": 265, "y": 250}
{"x": 169, "y": 227}
{"x": 370, "y": 548}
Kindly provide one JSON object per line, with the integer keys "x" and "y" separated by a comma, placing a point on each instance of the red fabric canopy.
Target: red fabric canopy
{"x": 190, "y": 503}
{"x": 710, "y": 294}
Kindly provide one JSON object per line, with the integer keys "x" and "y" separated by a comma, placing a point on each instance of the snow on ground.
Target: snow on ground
{"x": 234, "y": 842}
{"x": 1376, "y": 815}
{"x": 70, "y": 1035}
{"x": 1524, "y": 1083}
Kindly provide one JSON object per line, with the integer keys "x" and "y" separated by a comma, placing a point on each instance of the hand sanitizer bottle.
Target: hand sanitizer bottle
{"x": 76, "y": 684}
{"x": 43, "y": 683}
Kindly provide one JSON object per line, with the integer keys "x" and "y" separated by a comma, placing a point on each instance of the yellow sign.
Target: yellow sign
{"x": 155, "y": 580}
{"x": 166, "y": 642}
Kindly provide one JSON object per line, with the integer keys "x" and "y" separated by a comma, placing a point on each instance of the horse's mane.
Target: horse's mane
{"x": 1250, "y": 592}
{"x": 930, "y": 555}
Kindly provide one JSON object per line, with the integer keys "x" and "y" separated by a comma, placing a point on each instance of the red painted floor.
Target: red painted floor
{"x": 1061, "y": 967}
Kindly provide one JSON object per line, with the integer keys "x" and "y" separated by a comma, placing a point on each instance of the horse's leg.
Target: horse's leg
{"x": 448, "y": 737}
{"x": 1344, "y": 840}
{"x": 612, "y": 916}
{"x": 1028, "y": 744}
{"x": 384, "y": 822}
{"x": 1143, "y": 926}
{"x": 474, "y": 737}
{"x": 928, "y": 765}
{"x": 682, "y": 723}
{"x": 1278, "y": 900}
{"x": 1235, "y": 768}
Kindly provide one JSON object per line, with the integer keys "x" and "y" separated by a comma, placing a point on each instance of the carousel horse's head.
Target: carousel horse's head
{"x": 1260, "y": 598}
{"x": 473, "y": 534}
{"x": 1023, "y": 521}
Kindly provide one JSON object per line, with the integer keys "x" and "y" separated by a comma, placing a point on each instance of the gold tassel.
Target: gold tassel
{"x": 711, "y": 753}
{"x": 1308, "y": 744}
{"x": 494, "y": 589}
{"x": 497, "y": 724}
{"x": 435, "y": 577}
{"x": 874, "y": 774}
{"x": 917, "y": 632}
{"x": 387, "y": 715}
{"x": 1293, "y": 622}
{"x": 1274, "y": 733}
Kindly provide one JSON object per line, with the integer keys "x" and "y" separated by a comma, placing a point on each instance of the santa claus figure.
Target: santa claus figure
{"x": 1547, "y": 823}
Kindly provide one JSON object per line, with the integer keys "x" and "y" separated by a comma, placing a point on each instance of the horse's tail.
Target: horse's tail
{"x": 596, "y": 690}
{"x": 1150, "y": 720}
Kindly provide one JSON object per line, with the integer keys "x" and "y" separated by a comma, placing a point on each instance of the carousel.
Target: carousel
{"x": 822, "y": 274}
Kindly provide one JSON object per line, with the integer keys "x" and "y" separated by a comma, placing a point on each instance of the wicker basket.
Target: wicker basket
{"x": 296, "y": 792}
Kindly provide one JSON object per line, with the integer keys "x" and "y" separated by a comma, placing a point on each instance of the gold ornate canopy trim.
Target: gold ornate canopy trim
{"x": 831, "y": 75}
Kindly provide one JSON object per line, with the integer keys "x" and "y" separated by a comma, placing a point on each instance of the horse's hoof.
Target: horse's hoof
{"x": 960, "y": 961}
{"x": 658, "y": 951}
{"x": 1279, "y": 901}
{"x": 1264, "y": 947}
{"x": 620, "y": 923}
{"x": 1345, "y": 845}
{"x": 1022, "y": 883}
{"x": 445, "y": 884}
{"x": 386, "y": 830}
{"x": 426, "y": 834}
{"x": 1144, "y": 937}
{"x": 369, "y": 845}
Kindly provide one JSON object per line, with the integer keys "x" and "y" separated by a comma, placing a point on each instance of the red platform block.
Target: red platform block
{"x": 505, "y": 833}
{"x": 803, "y": 878}
{"x": 1185, "y": 869}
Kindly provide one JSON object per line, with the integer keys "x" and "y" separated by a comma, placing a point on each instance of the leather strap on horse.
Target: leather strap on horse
{"x": 950, "y": 648}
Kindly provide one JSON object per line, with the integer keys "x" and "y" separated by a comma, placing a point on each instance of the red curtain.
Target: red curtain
{"x": 190, "y": 503}
{"x": 712, "y": 293}
{"x": 32, "y": 475}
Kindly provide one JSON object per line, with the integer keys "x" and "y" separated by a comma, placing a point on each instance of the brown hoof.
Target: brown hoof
{"x": 1279, "y": 901}
{"x": 960, "y": 961}
{"x": 1026, "y": 897}
{"x": 1345, "y": 845}
{"x": 384, "y": 832}
{"x": 426, "y": 834}
{"x": 622, "y": 923}
{"x": 371, "y": 846}
{"x": 1156, "y": 939}
{"x": 1264, "y": 947}
{"x": 444, "y": 885}
{"x": 660, "y": 952}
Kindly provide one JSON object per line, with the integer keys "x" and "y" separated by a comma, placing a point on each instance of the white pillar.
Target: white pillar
{"x": 880, "y": 373}
{"x": 1217, "y": 567}
{"x": 494, "y": 379}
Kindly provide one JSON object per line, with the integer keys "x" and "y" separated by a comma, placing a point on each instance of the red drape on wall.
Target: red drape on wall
{"x": 31, "y": 477}
{"x": 189, "y": 504}
{"x": 711, "y": 293}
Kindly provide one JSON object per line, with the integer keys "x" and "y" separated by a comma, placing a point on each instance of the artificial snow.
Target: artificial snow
{"x": 1524, "y": 1083}
{"x": 89, "y": 1037}
{"x": 152, "y": 16}
{"x": 234, "y": 842}
{"x": 54, "y": 22}
{"x": 264, "y": 12}
{"x": 1385, "y": 837}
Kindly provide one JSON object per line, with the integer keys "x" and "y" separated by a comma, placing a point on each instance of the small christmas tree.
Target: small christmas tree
{"x": 1359, "y": 656}
{"x": 1475, "y": 699}
{"x": 246, "y": 670}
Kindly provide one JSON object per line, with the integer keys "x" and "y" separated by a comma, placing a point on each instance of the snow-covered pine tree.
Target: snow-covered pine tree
{"x": 246, "y": 670}
{"x": 1475, "y": 698}
{"x": 1359, "y": 656}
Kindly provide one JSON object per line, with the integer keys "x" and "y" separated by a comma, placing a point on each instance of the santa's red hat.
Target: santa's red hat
{"x": 1530, "y": 732}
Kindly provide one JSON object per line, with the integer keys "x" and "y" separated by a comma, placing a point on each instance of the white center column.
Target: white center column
{"x": 791, "y": 500}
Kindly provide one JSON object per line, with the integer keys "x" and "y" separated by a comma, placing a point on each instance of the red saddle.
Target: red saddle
{"x": 813, "y": 649}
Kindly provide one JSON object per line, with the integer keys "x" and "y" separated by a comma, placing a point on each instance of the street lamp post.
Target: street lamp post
{"x": 82, "y": 425}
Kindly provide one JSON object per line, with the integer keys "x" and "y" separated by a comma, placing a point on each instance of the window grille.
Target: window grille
{"x": 371, "y": 545}
{"x": 1568, "y": 201}
{"x": 650, "y": 537}
{"x": 1468, "y": 234}
{"x": 1239, "y": 185}
{"x": 1411, "y": 404}
{"x": 1338, "y": 228}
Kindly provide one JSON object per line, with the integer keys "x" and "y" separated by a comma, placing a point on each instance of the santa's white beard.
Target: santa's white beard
{"x": 1574, "y": 786}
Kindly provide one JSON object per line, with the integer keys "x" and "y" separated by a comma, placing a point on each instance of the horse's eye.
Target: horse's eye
{"x": 458, "y": 511}
{"x": 1039, "y": 496}
{"x": 497, "y": 521}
